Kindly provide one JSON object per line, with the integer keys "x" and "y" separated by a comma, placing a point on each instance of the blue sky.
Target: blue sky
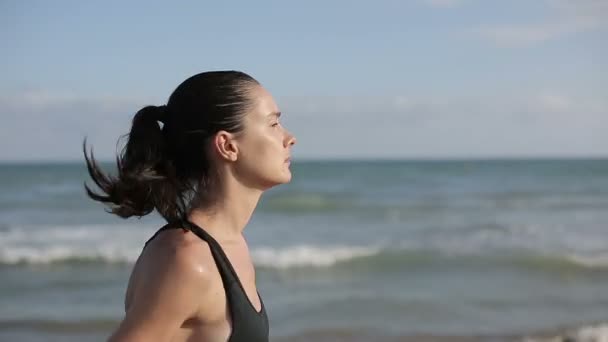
{"x": 382, "y": 79}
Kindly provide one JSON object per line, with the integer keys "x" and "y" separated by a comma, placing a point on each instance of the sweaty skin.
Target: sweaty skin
{"x": 175, "y": 291}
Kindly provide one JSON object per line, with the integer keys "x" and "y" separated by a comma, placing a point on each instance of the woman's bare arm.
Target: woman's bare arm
{"x": 165, "y": 298}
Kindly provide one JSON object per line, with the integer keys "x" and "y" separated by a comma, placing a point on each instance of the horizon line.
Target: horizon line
{"x": 357, "y": 159}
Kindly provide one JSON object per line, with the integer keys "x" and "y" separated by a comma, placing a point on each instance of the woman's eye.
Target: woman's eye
{"x": 275, "y": 124}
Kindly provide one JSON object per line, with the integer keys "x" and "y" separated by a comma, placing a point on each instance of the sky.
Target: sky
{"x": 355, "y": 80}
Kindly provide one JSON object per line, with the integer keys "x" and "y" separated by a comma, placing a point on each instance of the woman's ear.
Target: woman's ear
{"x": 225, "y": 145}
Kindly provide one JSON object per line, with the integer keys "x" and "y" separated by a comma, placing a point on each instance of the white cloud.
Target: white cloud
{"x": 548, "y": 123}
{"x": 41, "y": 100}
{"x": 340, "y": 106}
{"x": 41, "y": 124}
{"x": 443, "y": 3}
{"x": 511, "y": 36}
{"x": 566, "y": 18}
{"x": 50, "y": 125}
{"x": 548, "y": 102}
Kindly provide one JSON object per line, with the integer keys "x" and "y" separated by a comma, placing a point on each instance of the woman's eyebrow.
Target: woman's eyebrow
{"x": 277, "y": 114}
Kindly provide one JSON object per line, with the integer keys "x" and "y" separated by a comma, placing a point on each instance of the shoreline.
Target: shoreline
{"x": 581, "y": 332}
{"x": 591, "y": 332}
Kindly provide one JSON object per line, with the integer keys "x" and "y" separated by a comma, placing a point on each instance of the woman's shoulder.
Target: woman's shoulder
{"x": 172, "y": 282}
{"x": 181, "y": 251}
{"x": 173, "y": 260}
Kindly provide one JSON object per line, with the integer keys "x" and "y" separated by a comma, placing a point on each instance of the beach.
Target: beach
{"x": 437, "y": 250}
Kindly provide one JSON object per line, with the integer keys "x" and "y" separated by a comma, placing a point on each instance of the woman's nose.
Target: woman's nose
{"x": 291, "y": 139}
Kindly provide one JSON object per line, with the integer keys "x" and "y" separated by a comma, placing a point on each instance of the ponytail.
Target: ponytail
{"x": 169, "y": 169}
{"x": 146, "y": 179}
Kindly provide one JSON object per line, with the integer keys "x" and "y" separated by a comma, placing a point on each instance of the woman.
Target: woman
{"x": 220, "y": 147}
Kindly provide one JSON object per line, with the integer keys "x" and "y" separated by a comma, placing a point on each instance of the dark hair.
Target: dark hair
{"x": 168, "y": 168}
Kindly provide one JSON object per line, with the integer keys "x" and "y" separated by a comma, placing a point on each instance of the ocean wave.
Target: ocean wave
{"x": 586, "y": 333}
{"x": 589, "y": 261}
{"x": 354, "y": 202}
{"x": 71, "y": 244}
{"x": 522, "y": 247}
{"x": 307, "y": 255}
{"x": 560, "y": 262}
{"x": 378, "y": 258}
{"x": 308, "y": 202}
{"x": 281, "y": 258}
{"x": 66, "y": 255}
{"x": 357, "y": 258}
{"x": 595, "y": 332}
{"x": 55, "y": 326}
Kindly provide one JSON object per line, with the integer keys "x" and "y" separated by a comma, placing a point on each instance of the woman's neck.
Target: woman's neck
{"x": 226, "y": 218}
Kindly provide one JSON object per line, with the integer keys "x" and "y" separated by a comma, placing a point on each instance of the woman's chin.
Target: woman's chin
{"x": 285, "y": 177}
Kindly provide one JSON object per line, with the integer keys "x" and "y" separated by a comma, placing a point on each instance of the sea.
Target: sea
{"x": 349, "y": 250}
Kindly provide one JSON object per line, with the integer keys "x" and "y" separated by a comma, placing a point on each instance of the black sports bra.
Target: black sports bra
{"x": 248, "y": 325}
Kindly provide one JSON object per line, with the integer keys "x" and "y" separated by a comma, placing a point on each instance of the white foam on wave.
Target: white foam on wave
{"x": 307, "y": 255}
{"x": 590, "y": 333}
{"x": 123, "y": 243}
{"x": 62, "y": 253}
{"x": 296, "y": 256}
{"x": 48, "y": 244}
{"x": 590, "y": 261}
{"x": 584, "y": 246}
{"x": 598, "y": 333}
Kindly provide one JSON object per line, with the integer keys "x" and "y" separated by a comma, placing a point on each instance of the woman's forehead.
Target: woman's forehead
{"x": 264, "y": 103}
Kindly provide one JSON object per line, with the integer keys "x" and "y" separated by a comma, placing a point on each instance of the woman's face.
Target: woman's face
{"x": 264, "y": 146}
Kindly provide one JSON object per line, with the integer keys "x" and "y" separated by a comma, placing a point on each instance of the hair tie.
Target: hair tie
{"x": 162, "y": 114}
